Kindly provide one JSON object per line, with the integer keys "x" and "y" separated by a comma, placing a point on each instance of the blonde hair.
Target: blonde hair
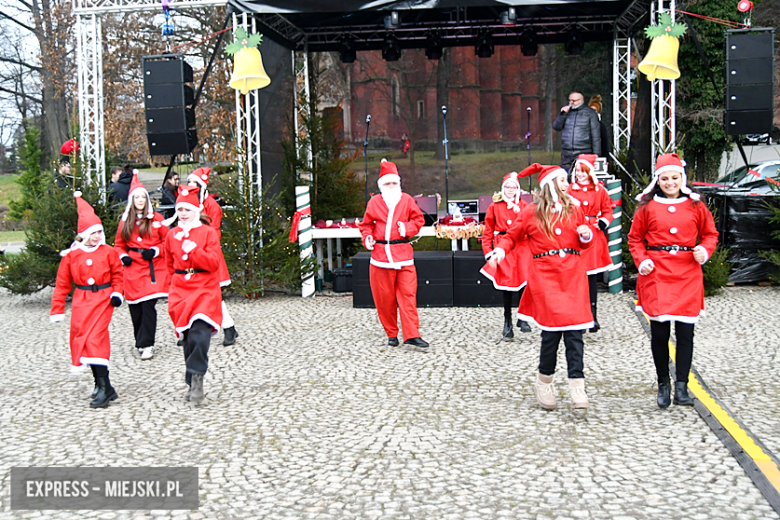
{"x": 595, "y": 103}
{"x": 545, "y": 208}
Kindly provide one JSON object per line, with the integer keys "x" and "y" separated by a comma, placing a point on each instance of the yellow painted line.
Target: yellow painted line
{"x": 764, "y": 462}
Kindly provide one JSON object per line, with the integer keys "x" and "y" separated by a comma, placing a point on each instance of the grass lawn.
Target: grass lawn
{"x": 9, "y": 189}
{"x": 12, "y": 236}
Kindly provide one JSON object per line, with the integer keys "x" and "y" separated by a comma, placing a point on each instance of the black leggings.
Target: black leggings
{"x": 144, "y": 317}
{"x": 575, "y": 352}
{"x": 659, "y": 342}
{"x": 508, "y": 302}
{"x": 593, "y": 288}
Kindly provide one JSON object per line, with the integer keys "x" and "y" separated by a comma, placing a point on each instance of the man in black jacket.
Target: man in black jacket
{"x": 581, "y": 130}
{"x": 120, "y": 189}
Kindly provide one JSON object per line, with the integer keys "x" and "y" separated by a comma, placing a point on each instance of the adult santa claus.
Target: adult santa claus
{"x": 96, "y": 271}
{"x": 391, "y": 218}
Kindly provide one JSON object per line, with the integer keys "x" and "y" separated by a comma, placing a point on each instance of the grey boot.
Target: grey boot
{"x": 196, "y": 390}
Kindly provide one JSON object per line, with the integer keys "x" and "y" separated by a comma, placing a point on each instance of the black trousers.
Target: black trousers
{"x": 594, "y": 291}
{"x": 508, "y": 302}
{"x": 144, "y": 315}
{"x": 196, "y": 348}
{"x": 575, "y": 352}
{"x": 659, "y": 342}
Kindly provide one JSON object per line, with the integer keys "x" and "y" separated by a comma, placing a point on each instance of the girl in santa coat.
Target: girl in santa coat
{"x": 597, "y": 206}
{"x": 139, "y": 242}
{"x": 213, "y": 211}
{"x": 193, "y": 257}
{"x": 556, "y": 297}
{"x": 391, "y": 219}
{"x": 95, "y": 269}
{"x": 510, "y": 276}
{"x": 673, "y": 234}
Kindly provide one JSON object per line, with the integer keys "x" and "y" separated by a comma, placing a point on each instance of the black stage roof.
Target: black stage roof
{"x": 324, "y": 23}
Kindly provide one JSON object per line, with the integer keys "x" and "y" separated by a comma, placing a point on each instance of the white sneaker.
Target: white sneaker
{"x": 147, "y": 353}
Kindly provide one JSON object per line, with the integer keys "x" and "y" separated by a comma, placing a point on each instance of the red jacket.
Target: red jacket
{"x": 511, "y": 274}
{"x": 597, "y": 206}
{"x": 556, "y": 297}
{"x": 197, "y": 295}
{"x": 381, "y": 223}
{"x": 91, "y": 311}
{"x": 675, "y": 288}
{"x": 137, "y": 278}
{"x": 213, "y": 210}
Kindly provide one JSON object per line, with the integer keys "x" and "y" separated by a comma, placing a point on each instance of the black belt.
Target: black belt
{"x": 151, "y": 262}
{"x": 399, "y": 241}
{"x": 670, "y": 248}
{"x": 558, "y": 251}
{"x": 594, "y": 216}
{"x": 93, "y": 288}
{"x": 189, "y": 271}
{"x": 499, "y": 232}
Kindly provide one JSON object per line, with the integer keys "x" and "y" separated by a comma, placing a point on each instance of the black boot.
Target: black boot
{"x": 392, "y": 342}
{"x": 596, "y": 325}
{"x": 524, "y": 326}
{"x": 508, "y": 334}
{"x": 105, "y": 395}
{"x": 94, "y": 391}
{"x": 681, "y": 396}
{"x": 664, "y": 394}
{"x": 230, "y": 336}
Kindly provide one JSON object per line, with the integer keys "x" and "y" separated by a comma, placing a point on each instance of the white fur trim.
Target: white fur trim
{"x": 78, "y": 369}
{"x": 589, "y": 238}
{"x": 190, "y": 206}
{"x": 669, "y": 168}
{"x": 664, "y": 200}
{"x": 501, "y": 287}
{"x": 532, "y": 321}
{"x": 388, "y": 177}
{"x": 154, "y": 296}
{"x": 599, "y": 269}
{"x": 605, "y": 221}
{"x": 393, "y": 265}
{"x": 706, "y": 254}
{"x": 93, "y": 361}
{"x": 91, "y": 229}
{"x": 671, "y": 317}
{"x": 402, "y": 229}
{"x": 156, "y": 251}
{"x": 76, "y": 194}
{"x": 500, "y": 253}
{"x": 645, "y": 262}
{"x": 202, "y": 317}
{"x": 56, "y": 318}
{"x": 118, "y": 295}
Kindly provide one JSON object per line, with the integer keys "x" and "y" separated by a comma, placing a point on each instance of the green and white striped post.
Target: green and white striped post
{"x": 615, "y": 190}
{"x": 303, "y": 207}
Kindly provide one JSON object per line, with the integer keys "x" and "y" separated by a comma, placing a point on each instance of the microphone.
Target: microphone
{"x": 368, "y": 118}
{"x": 444, "y": 109}
{"x": 529, "y": 109}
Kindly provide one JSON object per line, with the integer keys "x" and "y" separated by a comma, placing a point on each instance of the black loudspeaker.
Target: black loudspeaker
{"x": 434, "y": 279}
{"x": 168, "y": 104}
{"x": 470, "y": 287}
{"x": 749, "y": 81}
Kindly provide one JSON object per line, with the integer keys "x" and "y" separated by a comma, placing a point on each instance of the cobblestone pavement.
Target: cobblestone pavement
{"x": 311, "y": 415}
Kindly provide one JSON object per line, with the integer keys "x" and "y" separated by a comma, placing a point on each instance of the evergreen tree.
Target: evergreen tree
{"x": 32, "y": 178}
{"x": 52, "y": 227}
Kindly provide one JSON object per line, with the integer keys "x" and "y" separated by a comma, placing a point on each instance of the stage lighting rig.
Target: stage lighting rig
{"x": 391, "y": 51}
{"x": 433, "y": 48}
{"x": 347, "y": 51}
{"x": 529, "y": 45}
{"x": 509, "y": 17}
{"x": 574, "y": 44}
{"x": 392, "y": 21}
{"x": 484, "y": 47}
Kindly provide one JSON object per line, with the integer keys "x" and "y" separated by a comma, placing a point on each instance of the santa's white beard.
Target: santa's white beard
{"x": 391, "y": 196}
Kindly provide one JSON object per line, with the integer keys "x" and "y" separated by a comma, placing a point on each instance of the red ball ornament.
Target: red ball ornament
{"x": 744, "y": 6}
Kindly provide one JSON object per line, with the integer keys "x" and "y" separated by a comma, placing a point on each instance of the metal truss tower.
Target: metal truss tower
{"x": 664, "y": 103}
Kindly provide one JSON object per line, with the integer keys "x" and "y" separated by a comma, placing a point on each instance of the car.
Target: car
{"x": 754, "y": 139}
{"x": 746, "y": 179}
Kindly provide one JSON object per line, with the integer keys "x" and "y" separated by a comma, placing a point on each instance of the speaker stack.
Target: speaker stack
{"x": 749, "y": 81}
{"x": 168, "y": 100}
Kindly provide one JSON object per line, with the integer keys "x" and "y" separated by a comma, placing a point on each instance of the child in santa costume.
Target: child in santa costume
{"x": 391, "y": 219}
{"x": 673, "y": 234}
{"x": 510, "y": 276}
{"x": 597, "y": 205}
{"x": 556, "y": 297}
{"x": 95, "y": 269}
{"x": 212, "y": 210}
{"x": 193, "y": 257}
{"x": 139, "y": 242}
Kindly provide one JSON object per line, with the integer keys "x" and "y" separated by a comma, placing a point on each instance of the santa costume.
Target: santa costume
{"x": 556, "y": 296}
{"x": 97, "y": 274}
{"x": 140, "y": 237}
{"x": 193, "y": 257}
{"x": 391, "y": 219}
{"x": 510, "y": 275}
{"x": 597, "y": 206}
{"x": 213, "y": 211}
{"x": 666, "y": 233}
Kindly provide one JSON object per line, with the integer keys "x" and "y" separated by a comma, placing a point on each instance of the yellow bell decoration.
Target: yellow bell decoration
{"x": 661, "y": 59}
{"x": 248, "y": 71}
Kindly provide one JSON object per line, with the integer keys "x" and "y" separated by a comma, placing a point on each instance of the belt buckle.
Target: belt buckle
{"x": 189, "y": 272}
{"x": 562, "y": 253}
{"x": 93, "y": 287}
{"x": 674, "y": 249}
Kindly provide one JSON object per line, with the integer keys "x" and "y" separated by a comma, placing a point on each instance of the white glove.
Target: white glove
{"x": 402, "y": 229}
{"x": 370, "y": 243}
{"x": 646, "y": 267}
{"x": 56, "y": 318}
{"x": 188, "y": 245}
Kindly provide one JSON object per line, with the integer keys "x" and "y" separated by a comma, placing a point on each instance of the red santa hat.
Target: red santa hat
{"x": 137, "y": 187}
{"x": 201, "y": 178}
{"x": 547, "y": 176}
{"x": 89, "y": 222}
{"x": 588, "y": 163}
{"x": 511, "y": 178}
{"x": 188, "y": 197}
{"x": 388, "y": 172}
{"x": 71, "y": 146}
{"x": 669, "y": 162}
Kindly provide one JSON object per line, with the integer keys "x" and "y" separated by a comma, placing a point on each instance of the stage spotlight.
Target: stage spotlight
{"x": 347, "y": 52}
{"x": 574, "y": 44}
{"x": 528, "y": 43}
{"x": 433, "y": 48}
{"x": 509, "y": 17}
{"x": 393, "y": 20}
{"x": 484, "y": 47}
{"x": 391, "y": 51}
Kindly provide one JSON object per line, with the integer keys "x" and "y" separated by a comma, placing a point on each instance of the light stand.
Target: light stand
{"x": 528, "y": 145}
{"x": 365, "y": 153}
{"x": 446, "y": 162}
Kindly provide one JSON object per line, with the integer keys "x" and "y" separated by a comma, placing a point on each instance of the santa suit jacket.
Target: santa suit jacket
{"x": 675, "y": 288}
{"x": 597, "y": 206}
{"x": 381, "y": 223}
{"x": 195, "y": 295}
{"x": 91, "y": 310}
{"x": 139, "y": 286}
{"x": 556, "y": 297}
{"x": 213, "y": 211}
{"x": 512, "y": 273}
